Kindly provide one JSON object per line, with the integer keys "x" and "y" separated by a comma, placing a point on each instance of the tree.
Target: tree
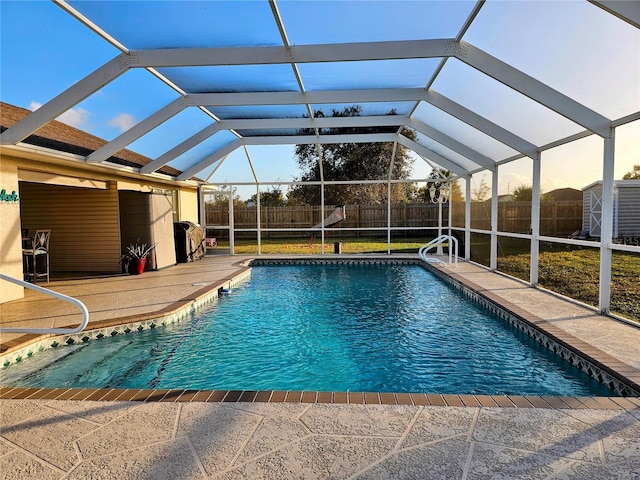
{"x": 352, "y": 161}
{"x": 270, "y": 198}
{"x": 634, "y": 174}
{"x": 524, "y": 193}
{"x": 479, "y": 193}
{"x": 221, "y": 200}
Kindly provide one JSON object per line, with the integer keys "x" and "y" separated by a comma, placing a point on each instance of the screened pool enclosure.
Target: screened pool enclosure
{"x": 521, "y": 105}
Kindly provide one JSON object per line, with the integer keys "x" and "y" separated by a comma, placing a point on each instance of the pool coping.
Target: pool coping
{"x": 610, "y": 371}
{"x": 317, "y": 397}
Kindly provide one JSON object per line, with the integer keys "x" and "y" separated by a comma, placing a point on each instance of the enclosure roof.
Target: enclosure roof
{"x": 480, "y": 83}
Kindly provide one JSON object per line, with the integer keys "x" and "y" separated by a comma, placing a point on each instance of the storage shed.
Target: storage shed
{"x": 626, "y": 210}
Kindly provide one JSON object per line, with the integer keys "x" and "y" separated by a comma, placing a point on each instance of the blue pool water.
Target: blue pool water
{"x": 322, "y": 327}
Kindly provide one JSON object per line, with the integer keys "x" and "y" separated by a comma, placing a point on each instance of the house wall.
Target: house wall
{"x": 84, "y": 223}
{"x": 10, "y": 235}
{"x": 135, "y": 212}
{"x": 148, "y": 219}
{"x": 79, "y": 202}
{"x": 188, "y": 206}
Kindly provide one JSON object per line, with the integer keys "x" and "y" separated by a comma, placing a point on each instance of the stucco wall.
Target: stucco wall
{"x": 188, "y": 207}
{"x": 64, "y": 190}
{"x": 84, "y": 224}
{"x": 10, "y": 234}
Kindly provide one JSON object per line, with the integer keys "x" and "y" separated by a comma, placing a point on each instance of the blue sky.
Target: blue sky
{"x": 44, "y": 51}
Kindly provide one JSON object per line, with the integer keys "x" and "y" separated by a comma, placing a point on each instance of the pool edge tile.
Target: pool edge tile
{"x": 372, "y": 398}
{"x": 293, "y": 396}
{"x": 340, "y": 397}
{"x": 232, "y": 396}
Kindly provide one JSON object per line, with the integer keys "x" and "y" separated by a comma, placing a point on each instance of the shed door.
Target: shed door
{"x": 595, "y": 213}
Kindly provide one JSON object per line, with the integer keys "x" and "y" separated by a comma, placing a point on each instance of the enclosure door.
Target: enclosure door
{"x": 217, "y": 222}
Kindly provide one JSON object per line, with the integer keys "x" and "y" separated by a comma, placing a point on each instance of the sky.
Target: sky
{"x": 43, "y": 51}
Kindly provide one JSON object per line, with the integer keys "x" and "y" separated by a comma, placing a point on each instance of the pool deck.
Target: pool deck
{"x": 147, "y": 434}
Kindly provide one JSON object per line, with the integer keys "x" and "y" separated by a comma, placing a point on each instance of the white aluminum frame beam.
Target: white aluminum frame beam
{"x": 66, "y": 100}
{"x": 481, "y": 124}
{"x": 625, "y": 10}
{"x": 272, "y": 123}
{"x": 320, "y": 122}
{"x": 268, "y": 55}
{"x": 436, "y": 99}
{"x": 283, "y": 140}
{"x": 310, "y": 53}
{"x": 322, "y": 139}
{"x": 313, "y": 139}
{"x": 431, "y": 155}
{"x": 181, "y": 148}
{"x": 532, "y": 88}
{"x": 180, "y": 103}
{"x": 299, "y": 98}
{"x": 137, "y": 131}
{"x": 210, "y": 160}
{"x": 453, "y": 144}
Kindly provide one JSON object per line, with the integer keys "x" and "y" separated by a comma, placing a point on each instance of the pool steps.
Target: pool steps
{"x": 188, "y": 307}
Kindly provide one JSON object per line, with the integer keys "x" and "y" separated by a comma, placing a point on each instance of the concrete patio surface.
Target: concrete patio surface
{"x": 43, "y": 437}
{"x": 127, "y": 440}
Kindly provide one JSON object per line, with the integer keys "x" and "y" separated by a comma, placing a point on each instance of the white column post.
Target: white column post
{"x": 493, "y": 262}
{"x": 231, "y": 227}
{"x": 467, "y": 218}
{"x": 388, "y": 217}
{"x": 439, "y": 247}
{"x": 203, "y": 209}
{"x": 320, "y": 154}
{"x": 322, "y": 214}
{"x": 389, "y": 174}
{"x": 450, "y": 216}
{"x": 258, "y": 216}
{"x": 535, "y": 223}
{"x": 606, "y": 230}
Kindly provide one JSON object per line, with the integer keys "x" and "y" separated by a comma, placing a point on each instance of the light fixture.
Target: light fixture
{"x": 442, "y": 190}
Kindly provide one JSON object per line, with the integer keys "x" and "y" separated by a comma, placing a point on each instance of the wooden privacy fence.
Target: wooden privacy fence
{"x": 556, "y": 218}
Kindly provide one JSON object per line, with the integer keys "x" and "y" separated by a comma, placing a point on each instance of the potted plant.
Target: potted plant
{"x": 134, "y": 259}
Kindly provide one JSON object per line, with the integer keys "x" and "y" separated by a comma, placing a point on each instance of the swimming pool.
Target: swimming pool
{"x": 322, "y": 327}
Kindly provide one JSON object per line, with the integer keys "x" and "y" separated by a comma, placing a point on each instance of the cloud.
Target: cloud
{"x": 123, "y": 122}
{"x": 76, "y": 117}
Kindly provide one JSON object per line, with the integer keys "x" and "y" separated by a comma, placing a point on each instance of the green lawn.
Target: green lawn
{"x": 305, "y": 247}
{"x": 575, "y": 273}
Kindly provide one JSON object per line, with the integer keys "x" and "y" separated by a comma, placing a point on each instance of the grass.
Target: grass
{"x": 573, "y": 272}
{"x": 302, "y": 246}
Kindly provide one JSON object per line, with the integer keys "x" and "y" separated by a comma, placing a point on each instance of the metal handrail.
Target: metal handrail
{"x": 439, "y": 241}
{"x": 60, "y": 296}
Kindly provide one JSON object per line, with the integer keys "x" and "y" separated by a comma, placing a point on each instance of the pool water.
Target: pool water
{"x": 385, "y": 328}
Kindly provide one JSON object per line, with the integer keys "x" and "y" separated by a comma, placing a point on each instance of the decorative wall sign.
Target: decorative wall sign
{"x": 9, "y": 197}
